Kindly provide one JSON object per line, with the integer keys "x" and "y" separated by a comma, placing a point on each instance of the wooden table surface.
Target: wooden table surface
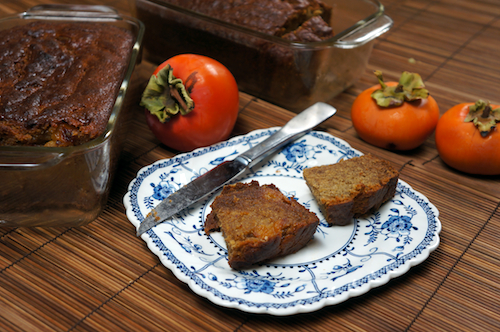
{"x": 101, "y": 277}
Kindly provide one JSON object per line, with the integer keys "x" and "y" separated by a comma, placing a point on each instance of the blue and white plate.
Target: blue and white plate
{"x": 338, "y": 263}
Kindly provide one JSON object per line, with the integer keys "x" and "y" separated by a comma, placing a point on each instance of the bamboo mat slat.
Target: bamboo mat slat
{"x": 101, "y": 277}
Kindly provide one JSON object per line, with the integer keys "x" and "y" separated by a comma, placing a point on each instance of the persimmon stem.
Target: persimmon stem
{"x": 483, "y": 117}
{"x": 177, "y": 96}
{"x": 165, "y": 95}
{"x": 486, "y": 112}
{"x": 380, "y": 78}
{"x": 409, "y": 88}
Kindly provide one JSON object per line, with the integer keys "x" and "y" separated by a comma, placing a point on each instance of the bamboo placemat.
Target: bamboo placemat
{"x": 101, "y": 277}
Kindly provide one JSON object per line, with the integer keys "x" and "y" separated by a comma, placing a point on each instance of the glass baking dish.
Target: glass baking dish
{"x": 55, "y": 186}
{"x": 289, "y": 74}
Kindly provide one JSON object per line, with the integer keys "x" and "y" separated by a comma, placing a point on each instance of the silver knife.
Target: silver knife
{"x": 227, "y": 171}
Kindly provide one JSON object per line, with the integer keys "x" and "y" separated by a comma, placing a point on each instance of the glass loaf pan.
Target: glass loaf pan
{"x": 45, "y": 186}
{"x": 289, "y": 74}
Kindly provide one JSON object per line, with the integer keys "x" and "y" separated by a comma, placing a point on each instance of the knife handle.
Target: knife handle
{"x": 297, "y": 127}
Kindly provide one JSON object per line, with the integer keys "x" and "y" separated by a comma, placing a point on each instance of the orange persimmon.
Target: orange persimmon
{"x": 468, "y": 140}
{"x": 395, "y": 115}
{"x": 191, "y": 101}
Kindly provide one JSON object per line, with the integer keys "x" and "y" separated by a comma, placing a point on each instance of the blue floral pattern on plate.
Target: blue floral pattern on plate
{"x": 338, "y": 263}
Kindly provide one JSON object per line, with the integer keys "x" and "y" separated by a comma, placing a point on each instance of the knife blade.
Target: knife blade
{"x": 227, "y": 171}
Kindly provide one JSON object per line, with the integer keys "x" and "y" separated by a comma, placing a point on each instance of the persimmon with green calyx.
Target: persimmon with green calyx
{"x": 395, "y": 115}
{"x": 191, "y": 101}
{"x": 467, "y": 138}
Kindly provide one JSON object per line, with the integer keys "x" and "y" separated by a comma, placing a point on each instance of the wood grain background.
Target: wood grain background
{"x": 101, "y": 277}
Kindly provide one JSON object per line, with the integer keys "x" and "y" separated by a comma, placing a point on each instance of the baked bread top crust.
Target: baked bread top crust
{"x": 59, "y": 81}
{"x": 273, "y": 17}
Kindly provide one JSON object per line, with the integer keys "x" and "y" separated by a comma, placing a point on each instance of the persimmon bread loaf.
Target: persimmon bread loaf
{"x": 59, "y": 81}
{"x": 297, "y": 20}
{"x": 259, "y": 223}
{"x": 352, "y": 187}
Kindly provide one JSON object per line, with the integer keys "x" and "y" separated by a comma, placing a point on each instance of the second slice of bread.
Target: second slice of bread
{"x": 352, "y": 187}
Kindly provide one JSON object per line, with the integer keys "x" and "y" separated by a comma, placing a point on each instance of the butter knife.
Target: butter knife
{"x": 227, "y": 171}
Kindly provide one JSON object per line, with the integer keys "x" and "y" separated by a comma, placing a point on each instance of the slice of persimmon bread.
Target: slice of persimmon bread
{"x": 351, "y": 187}
{"x": 259, "y": 223}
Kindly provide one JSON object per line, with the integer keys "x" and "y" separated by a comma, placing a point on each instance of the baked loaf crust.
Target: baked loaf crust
{"x": 59, "y": 81}
{"x": 259, "y": 223}
{"x": 272, "y": 17}
{"x": 351, "y": 188}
